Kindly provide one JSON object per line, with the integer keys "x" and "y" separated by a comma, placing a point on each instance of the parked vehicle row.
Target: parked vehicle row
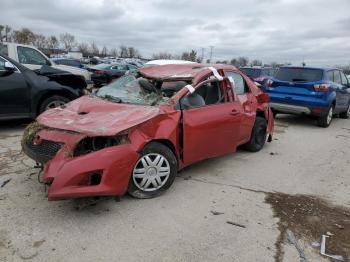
{"x": 25, "y": 93}
{"x": 106, "y": 73}
{"x": 34, "y": 59}
{"x": 69, "y": 62}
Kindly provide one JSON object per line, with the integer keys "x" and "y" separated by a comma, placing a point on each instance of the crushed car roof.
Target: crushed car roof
{"x": 184, "y": 71}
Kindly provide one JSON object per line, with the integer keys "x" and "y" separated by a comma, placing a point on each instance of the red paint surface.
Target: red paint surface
{"x": 206, "y": 132}
{"x": 97, "y": 117}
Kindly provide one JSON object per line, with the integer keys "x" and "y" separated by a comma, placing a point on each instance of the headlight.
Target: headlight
{"x": 92, "y": 144}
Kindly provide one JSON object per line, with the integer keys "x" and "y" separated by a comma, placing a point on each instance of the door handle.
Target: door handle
{"x": 234, "y": 112}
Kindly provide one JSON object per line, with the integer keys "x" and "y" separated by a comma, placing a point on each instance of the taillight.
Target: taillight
{"x": 321, "y": 87}
{"x": 99, "y": 72}
{"x": 269, "y": 83}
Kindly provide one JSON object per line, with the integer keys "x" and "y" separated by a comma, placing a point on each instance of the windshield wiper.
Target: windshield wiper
{"x": 113, "y": 98}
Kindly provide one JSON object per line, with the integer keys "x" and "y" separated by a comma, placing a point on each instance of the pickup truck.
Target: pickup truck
{"x": 34, "y": 59}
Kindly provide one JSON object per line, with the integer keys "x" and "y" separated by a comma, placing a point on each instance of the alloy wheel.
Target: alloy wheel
{"x": 54, "y": 104}
{"x": 151, "y": 172}
{"x": 330, "y": 115}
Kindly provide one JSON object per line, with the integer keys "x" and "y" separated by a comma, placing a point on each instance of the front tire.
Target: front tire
{"x": 274, "y": 112}
{"x": 258, "y": 135}
{"x": 325, "y": 120}
{"x": 52, "y": 102}
{"x": 154, "y": 172}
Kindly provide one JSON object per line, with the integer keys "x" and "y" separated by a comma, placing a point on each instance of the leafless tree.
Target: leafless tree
{"x": 123, "y": 51}
{"x": 189, "y": 56}
{"x": 5, "y": 33}
{"x": 114, "y": 52}
{"x": 243, "y": 61}
{"x": 133, "y": 52}
{"x": 52, "y": 43}
{"x": 68, "y": 41}
{"x": 24, "y": 36}
{"x": 274, "y": 64}
{"x": 162, "y": 55}
{"x": 94, "y": 49}
{"x": 256, "y": 62}
{"x": 7, "y": 36}
{"x": 104, "y": 51}
{"x": 1, "y": 29}
{"x": 40, "y": 41}
{"x": 84, "y": 49}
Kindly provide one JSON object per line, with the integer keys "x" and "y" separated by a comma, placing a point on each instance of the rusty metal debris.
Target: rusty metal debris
{"x": 235, "y": 224}
{"x": 323, "y": 250}
{"x": 5, "y": 182}
{"x": 216, "y": 213}
{"x": 291, "y": 238}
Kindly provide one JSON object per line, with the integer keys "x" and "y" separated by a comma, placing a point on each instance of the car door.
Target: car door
{"x": 345, "y": 90}
{"x": 211, "y": 129}
{"x": 341, "y": 97}
{"x": 248, "y": 103}
{"x": 14, "y": 92}
{"x": 31, "y": 58}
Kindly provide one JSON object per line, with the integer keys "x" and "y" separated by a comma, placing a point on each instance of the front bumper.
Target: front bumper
{"x": 68, "y": 176}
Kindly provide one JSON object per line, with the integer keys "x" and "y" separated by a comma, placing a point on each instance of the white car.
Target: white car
{"x": 167, "y": 62}
{"x": 33, "y": 58}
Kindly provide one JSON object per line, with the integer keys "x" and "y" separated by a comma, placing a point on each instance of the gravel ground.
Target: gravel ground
{"x": 196, "y": 220}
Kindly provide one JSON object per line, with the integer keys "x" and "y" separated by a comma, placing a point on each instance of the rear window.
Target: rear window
{"x": 251, "y": 72}
{"x": 299, "y": 74}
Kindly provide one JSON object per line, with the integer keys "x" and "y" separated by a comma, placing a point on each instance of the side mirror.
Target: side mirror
{"x": 9, "y": 67}
{"x": 263, "y": 98}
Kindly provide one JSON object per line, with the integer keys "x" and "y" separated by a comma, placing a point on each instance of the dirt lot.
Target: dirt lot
{"x": 234, "y": 208}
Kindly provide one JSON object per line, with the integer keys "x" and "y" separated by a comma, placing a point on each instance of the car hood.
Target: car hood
{"x": 94, "y": 116}
{"x": 74, "y": 70}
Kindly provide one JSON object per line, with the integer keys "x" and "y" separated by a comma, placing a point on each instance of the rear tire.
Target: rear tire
{"x": 151, "y": 177}
{"x": 274, "y": 112}
{"x": 325, "y": 120}
{"x": 346, "y": 114}
{"x": 52, "y": 102}
{"x": 258, "y": 135}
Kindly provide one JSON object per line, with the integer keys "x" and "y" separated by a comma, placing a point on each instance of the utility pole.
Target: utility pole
{"x": 202, "y": 54}
{"x": 211, "y": 52}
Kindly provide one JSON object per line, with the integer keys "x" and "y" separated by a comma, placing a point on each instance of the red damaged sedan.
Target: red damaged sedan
{"x": 134, "y": 134}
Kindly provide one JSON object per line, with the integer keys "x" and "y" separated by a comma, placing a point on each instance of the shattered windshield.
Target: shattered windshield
{"x": 132, "y": 90}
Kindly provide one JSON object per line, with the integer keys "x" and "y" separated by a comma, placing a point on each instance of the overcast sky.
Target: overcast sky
{"x": 270, "y": 30}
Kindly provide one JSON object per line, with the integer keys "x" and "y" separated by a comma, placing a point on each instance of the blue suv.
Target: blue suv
{"x": 320, "y": 92}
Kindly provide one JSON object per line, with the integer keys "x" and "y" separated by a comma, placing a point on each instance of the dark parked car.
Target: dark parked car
{"x": 69, "y": 62}
{"x": 259, "y": 74}
{"x": 106, "y": 73}
{"x": 320, "y": 92}
{"x": 25, "y": 93}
